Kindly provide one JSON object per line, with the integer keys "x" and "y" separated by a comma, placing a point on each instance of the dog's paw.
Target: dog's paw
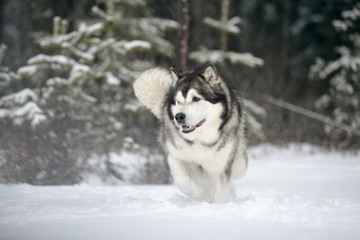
{"x": 191, "y": 189}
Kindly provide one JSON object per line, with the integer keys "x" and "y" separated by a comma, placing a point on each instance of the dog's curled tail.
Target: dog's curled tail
{"x": 151, "y": 88}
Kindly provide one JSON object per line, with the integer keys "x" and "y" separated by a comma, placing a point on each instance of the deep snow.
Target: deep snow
{"x": 298, "y": 192}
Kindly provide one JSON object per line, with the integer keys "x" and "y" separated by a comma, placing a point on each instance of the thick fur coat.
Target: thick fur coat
{"x": 203, "y": 128}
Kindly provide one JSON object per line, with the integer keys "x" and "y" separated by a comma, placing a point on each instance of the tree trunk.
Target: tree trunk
{"x": 185, "y": 34}
{"x": 224, "y": 18}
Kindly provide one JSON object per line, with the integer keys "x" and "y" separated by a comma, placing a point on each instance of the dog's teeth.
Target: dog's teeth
{"x": 186, "y": 128}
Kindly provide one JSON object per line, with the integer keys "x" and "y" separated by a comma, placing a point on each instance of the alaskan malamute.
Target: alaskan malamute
{"x": 203, "y": 126}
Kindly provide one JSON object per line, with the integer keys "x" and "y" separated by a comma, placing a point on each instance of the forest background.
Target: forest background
{"x": 67, "y": 67}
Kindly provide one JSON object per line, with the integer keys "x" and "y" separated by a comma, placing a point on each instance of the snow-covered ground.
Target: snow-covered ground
{"x": 298, "y": 192}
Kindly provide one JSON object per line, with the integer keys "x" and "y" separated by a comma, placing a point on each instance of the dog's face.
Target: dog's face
{"x": 198, "y": 103}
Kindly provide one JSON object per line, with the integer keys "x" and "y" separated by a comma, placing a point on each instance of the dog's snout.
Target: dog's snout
{"x": 180, "y": 117}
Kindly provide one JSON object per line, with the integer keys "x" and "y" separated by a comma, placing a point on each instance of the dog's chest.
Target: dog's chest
{"x": 200, "y": 154}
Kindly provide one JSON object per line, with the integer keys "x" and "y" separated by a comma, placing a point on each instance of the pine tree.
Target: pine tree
{"x": 342, "y": 100}
{"x": 221, "y": 56}
{"x": 75, "y": 99}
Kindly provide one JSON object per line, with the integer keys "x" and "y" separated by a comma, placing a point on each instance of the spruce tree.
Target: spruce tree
{"x": 342, "y": 99}
{"x": 74, "y": 99}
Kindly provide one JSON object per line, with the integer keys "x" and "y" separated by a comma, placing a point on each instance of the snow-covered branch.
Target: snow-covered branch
{"x": 219, "y": 57}
{"x": 229, "y": 26}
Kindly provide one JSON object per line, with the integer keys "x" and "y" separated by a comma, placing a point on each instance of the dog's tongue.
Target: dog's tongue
{"x": 187, "y": 128}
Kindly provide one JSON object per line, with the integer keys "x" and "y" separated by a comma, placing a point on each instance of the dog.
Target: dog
{"x": 202, "y": 128}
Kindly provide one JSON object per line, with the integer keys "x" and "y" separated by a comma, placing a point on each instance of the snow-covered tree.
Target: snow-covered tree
{"x": 75, "y": 99}
{"x": 225, "y": 26}
{"x": 342, "y": 100}
{"x": 221, "y": 56}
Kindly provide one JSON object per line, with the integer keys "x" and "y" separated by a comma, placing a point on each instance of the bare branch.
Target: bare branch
{"x": 310, "y": 114}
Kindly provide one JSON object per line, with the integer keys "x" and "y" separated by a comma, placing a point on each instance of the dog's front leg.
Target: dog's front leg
{"x": 182, "y": 179}
{"x": 221, "y": 186}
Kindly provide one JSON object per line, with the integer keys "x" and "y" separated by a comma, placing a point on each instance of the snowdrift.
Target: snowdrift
{"x": 298, "y": 192}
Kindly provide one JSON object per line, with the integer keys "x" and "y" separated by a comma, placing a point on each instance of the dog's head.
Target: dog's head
{"x": 198, "y": 103}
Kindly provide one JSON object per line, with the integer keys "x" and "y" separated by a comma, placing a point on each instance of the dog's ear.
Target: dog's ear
{"x": 176, "y": 74}
{"x": 211, "y": 75}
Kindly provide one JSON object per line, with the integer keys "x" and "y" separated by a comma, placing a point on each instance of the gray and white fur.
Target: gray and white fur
{"x": 203, "y": 128}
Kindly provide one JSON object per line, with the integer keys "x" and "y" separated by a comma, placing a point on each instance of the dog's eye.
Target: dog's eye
{"x": 196, "y": 99}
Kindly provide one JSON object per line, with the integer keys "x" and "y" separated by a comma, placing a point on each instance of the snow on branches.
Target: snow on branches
{"x": 219, "y": 57}
{"x": 342, "y": 99}
{"x": 73, "y": 99}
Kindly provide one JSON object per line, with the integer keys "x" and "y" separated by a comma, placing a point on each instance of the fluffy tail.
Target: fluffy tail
{"x": 151, "y": 88}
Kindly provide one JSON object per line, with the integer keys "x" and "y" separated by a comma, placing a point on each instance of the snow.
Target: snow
{"x": 73, "y": 37}
{"x": 136, "y": 44}
{"x": 134, "y": 3}
{"x": 152, "y": 30}
{"x": 89, "y": 30}
{"x": 128, "y": 165}
{"x": 245, "y": 58}
{"x": 56, "y": 81}
{"x": 27, "y": 70}
{"x": 111, "y": 79}
{"x": 58, "y": 59}
{"x": 57, "y": 39}
{"x": 5, "y": 78}
{"x": 4, "y": 113}
{"x": 30, "y": 111}
{"x": 81, "y": 54}
{"x": 297, "y": 192}
{"x": 352, "y": 14}
{"x": 346, "y": 61}
{"x": 254, "y": 108}
{"x": 79, "y": 71}
{"x": 229, "y": 26}
{"x": 218, "y": 56}
{"x": 20, "y": 97}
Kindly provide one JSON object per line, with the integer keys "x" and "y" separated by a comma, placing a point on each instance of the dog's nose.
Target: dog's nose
{"x": 180, "y": 117}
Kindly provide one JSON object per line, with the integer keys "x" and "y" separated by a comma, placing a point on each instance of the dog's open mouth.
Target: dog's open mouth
{"x": 188, "y": 129}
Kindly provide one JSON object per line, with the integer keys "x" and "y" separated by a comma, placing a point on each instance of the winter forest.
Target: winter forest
{"x": 79, "y": 151}
{"x": 67, "y": 108}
